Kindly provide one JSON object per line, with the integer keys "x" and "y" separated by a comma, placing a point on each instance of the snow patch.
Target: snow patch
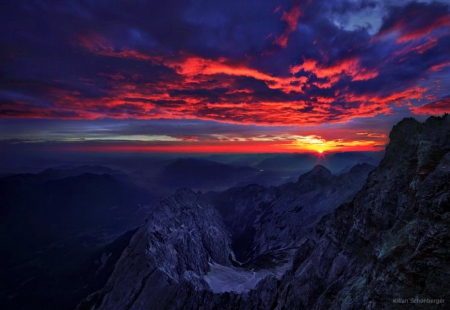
{"x": 231, "y": 279}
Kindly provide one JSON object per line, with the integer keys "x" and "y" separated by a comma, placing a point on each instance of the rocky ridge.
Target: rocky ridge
{"x": 270, "y": 222}
{"x": 167, "y": 256}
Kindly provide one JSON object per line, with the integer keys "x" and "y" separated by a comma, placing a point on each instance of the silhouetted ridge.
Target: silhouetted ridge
{"x": 320, "y": 169}
{"x": 361, "y": 167}
{"x": 201, "y": 173}
{"x": 319, "y": 172}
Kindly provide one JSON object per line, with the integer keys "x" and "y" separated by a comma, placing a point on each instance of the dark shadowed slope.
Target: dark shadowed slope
{"x": 50, "y": 227}
{"x": 168, "y": 257}
{"x": 66, "y": 206}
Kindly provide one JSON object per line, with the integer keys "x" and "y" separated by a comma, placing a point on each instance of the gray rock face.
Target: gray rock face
{"x": 388, "y": 247}
{"x": 167, "y": 256}
{"x": 241, "y": 207}
{"x": 268, "y": 224}
{"x": 300, "y": 205}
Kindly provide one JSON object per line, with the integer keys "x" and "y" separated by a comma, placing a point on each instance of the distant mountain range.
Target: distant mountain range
{"x": 208, "y": 175}
{"x": 70, "y": 171}
{"x": 203, "y": 174}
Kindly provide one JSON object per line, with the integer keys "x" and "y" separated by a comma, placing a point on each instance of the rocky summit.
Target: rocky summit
{"x": 362, "y": 240}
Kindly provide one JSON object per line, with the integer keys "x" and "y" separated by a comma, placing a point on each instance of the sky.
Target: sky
{"x": 218, "y": 76}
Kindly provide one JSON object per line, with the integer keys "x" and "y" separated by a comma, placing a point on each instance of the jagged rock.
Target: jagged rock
{"x": 392, "y": 240}
{"x": 300, "y": 205}
{"x": 269, "y": 222}
{"x": 168, "y": 257}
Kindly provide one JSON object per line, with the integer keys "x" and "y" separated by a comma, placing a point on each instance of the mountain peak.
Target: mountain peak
{"x": 319, "y": 172}
{"x": 320, "y": 167}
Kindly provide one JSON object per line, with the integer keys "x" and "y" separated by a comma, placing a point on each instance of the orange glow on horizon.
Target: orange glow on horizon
{"x": 233, "y": 147}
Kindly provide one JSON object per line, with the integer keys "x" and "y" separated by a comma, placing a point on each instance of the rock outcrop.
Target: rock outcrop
{"x": 390, "y": 245}
{"x": 168, "y": 257}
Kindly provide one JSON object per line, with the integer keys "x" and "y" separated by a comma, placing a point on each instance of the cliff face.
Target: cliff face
{"x": 391, "y": 241}
{"x": 269, "y": 223}
{"x": 300, "y": 205}
{"x": 168, "y": 257}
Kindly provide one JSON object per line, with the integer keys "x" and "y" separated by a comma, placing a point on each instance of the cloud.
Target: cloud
{"x": 433, "y": 108}
{"x": 350, "y": 67}
{"x": 440, "y": 66}
{"x": 101, "y": 46}
{"x": 291, "y": 18}
{"x": 414, "y": 21}
{"x": 290, "y": 64}
{"x": 372, "y": 134}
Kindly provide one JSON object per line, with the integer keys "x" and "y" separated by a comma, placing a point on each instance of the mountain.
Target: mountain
{"x": 387, "y": 246}
{"x": 288, "y": 162}
{"x": 50, "y": 226}
{"x": 391, "y": 242}
{"x": 169, "y": 256}
{"x": 61, "y": 172}
{"x": 300, "y": 205}
{"x": 193, "y": 242}
{"x": 264, "y": 221}
{"x": 163, "y": 177}
{"x": 67, "y": 205}
{"x": 305, "y": 162}
{"x": 63, "y": 274}
{"x": 239, "y": 160}
{"x": 341, "y": 159}
{"x": 201, "y": 174}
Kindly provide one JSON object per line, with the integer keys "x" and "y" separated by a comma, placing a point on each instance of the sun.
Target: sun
{"x": 320, "y": 151}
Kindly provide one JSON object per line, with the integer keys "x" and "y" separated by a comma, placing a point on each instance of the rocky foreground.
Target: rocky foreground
{"x": 318, "y": 243}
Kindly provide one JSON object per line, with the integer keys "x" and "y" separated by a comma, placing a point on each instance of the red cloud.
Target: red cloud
{"x": 350, "y": 67}
{"x": 436, "y": 107}
{"x": 414, "y": 26}
{"x": 420, "y": 48}
{"x": 101, "y": 46}
{"x": 193, "y": 67}
{"x": 291, "y": 18}
{"x": 193, "y": 87}
{"x": 372, "y": 135}
{"x": 140, "y": 103}
{"x": 398, "y": 98}
{"x": 440, "y": 66}
{"x": 127, "y": 96}
{"x": 412, "y": 34}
